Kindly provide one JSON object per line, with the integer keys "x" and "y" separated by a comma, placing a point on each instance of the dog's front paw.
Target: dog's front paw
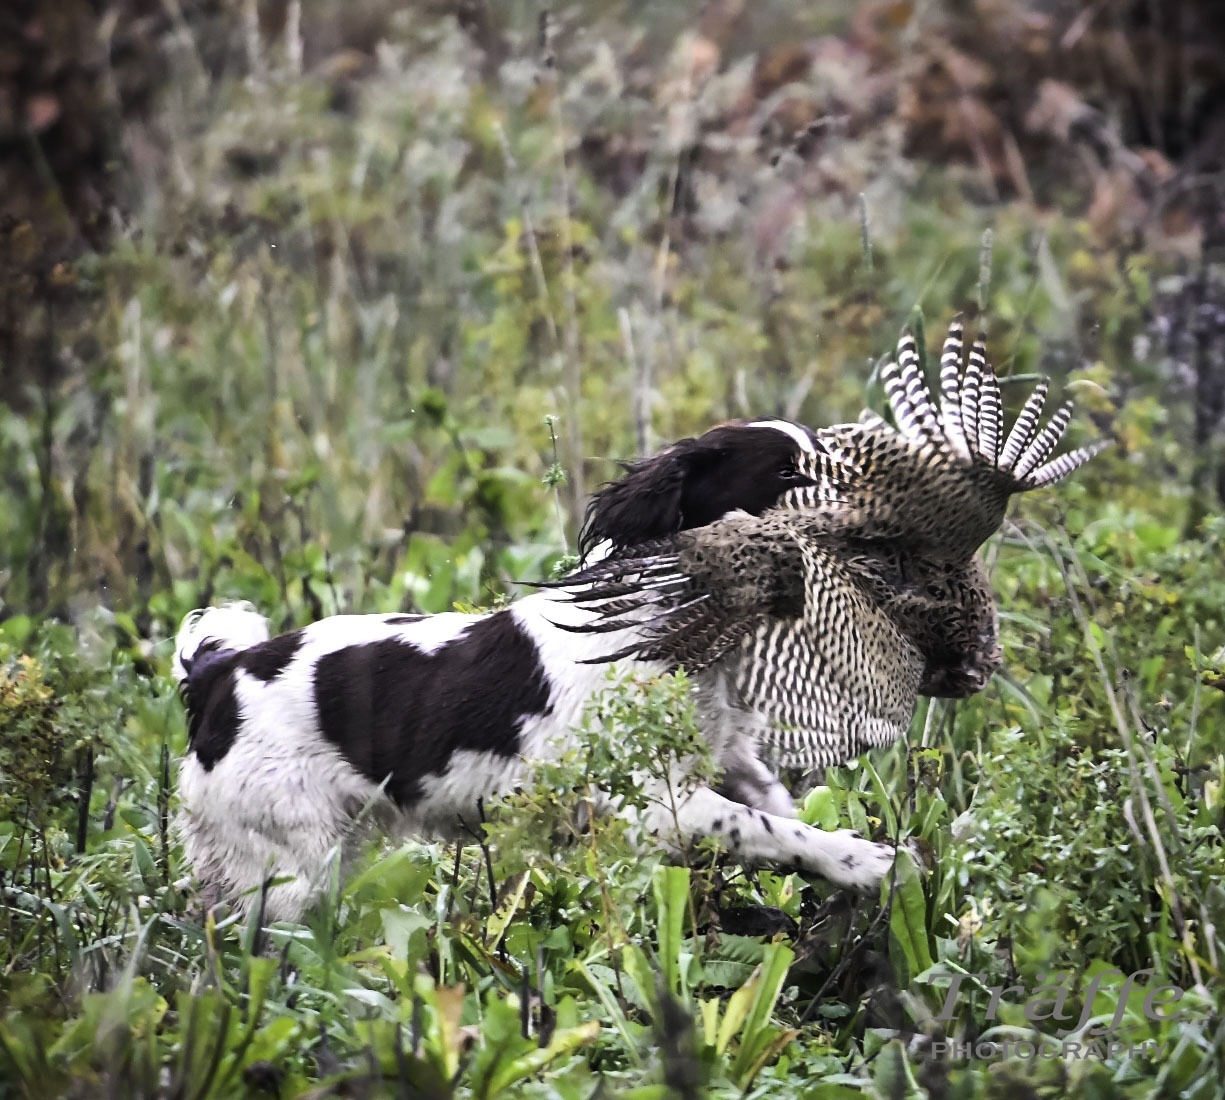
{"x": 857, "y": 863}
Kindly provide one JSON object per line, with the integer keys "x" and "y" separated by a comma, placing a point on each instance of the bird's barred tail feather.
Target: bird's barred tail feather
{"x": 967, "y": 420}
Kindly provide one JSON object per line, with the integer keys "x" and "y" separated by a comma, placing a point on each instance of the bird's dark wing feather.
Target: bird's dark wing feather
{"x": 689, "y": 599}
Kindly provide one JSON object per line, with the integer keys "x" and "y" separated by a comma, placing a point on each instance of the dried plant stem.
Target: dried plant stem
{"x": 533, "y": 244}
{"x": 293, "y": 37}
{"x": 569, "y": 348}
{"x": 572, "y": 370}
{"x": 640, "y": 369}
{"x": 865, "y": 233}
{"x": 554, "y": 478}
{"x": 252, "y": 46}
{"x": 645, "y": 376}
{"x": 984, "y": 269}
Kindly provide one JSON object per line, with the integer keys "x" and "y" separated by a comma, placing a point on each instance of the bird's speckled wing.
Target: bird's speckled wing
{"x": 940, "y": 480}
{"x": 838, "y": 681}
{"x": 813, "y": 648}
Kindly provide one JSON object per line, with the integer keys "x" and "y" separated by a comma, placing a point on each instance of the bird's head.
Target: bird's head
{"x": 742, "y": 465}
{"x": 961, "y": 678}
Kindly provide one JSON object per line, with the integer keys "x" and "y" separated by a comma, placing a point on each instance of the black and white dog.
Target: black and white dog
{"x": 426, "y": 715}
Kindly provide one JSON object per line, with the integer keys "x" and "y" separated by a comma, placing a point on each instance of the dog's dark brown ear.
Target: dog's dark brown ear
{"x": 649, "y": 501}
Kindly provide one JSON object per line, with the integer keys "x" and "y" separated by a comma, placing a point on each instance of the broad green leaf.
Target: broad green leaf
{"x": 892, "y": 1075}
{"x": 757, "y": 1035}
{"x": 399, "y": 927}
{"x": 671, "y": 887}
{"x": 609, "y": 1001}
{"x": 910, "y": 950}
{"x": 820, "y": 808}
{"x": 737, "y": 1010}
{"x": 881, "y": 792}
{"x": 495, "y": 927}
{"x": 562, "y": 1043}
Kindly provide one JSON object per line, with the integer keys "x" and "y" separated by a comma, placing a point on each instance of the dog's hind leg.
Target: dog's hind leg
{"x": 237, "y": 845}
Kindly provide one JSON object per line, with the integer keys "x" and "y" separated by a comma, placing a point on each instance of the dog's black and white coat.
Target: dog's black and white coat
{"x": 291, "y": 737}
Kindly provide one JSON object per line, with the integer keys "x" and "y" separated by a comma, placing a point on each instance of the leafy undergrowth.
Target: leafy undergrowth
{"x": 356, "y": 352}
{"x": 1067, "y": 822}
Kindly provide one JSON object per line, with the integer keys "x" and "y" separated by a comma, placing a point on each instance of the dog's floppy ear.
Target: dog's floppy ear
{"x": 649, "y": 501}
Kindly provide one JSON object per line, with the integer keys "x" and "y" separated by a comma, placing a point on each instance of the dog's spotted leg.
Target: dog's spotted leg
{"x": 757, "y": 837}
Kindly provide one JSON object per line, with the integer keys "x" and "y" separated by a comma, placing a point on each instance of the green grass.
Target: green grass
{"x": 324, "y": 386}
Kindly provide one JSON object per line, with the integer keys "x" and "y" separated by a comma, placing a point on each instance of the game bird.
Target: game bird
{"x": 859, "y": 590}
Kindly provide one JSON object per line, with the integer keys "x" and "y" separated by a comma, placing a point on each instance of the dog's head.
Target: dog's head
{"x": 743, "y": 464}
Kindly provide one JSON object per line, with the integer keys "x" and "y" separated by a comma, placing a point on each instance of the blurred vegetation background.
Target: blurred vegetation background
{"x": 308, "y": 302}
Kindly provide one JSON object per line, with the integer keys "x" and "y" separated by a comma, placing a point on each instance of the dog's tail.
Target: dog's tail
{"x": 231, "y": 626}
